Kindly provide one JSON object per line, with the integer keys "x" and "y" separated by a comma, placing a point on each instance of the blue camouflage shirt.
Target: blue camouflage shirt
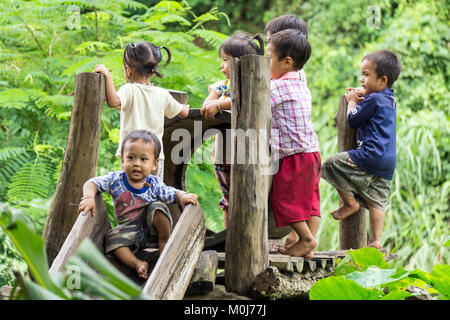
{"x": 129, "y": 202}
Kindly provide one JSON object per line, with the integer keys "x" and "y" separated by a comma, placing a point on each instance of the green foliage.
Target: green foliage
{"x": 87, "y": 274}
{"x": 43, "y": 44}
{"x": 364, "y": 275}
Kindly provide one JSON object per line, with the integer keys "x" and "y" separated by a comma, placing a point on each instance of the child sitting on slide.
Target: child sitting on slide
{"x": 139, "y": 200}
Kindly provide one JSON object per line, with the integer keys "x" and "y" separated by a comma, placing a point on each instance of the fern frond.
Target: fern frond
{"x": 13, "y": 99}
{"x": 11, "y": 152}
{"x": 91, "y": 47}
{"x": 213, "y": 38}
{"x": 31, "y": 181}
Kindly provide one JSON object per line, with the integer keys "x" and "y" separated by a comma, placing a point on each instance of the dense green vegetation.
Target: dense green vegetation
{"x": 43, "y": 44}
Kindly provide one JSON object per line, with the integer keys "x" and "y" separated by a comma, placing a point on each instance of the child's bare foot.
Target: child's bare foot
{"x": 345, "y": 210}
{"x": 309, "y": 255}
{"x": 301, "y": 249}
{"x": 375, "y": 244}
{"x": 142, "y": 268}
{"x": 291, "y": 239}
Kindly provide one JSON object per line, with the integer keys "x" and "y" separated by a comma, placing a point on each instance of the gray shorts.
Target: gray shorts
{"x": 137, "y": 233}
{"x": 369, "y": 190}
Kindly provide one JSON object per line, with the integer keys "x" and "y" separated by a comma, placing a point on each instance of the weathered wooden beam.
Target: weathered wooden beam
{"x": 246, "y": 240}
{"x": 86, "y": 226}
{"x": 204, "y": 276}
{"x": 170, "y": 277}
{"x": 80, "y": 159}
{"x": 273, "y": 284}
{"x": 352, "y": 230}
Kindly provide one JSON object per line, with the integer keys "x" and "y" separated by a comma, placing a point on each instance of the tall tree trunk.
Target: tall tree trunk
{"x": 246, "y": 240}
{"x": 80, "y": 160}
{"x": 352, "y": 230}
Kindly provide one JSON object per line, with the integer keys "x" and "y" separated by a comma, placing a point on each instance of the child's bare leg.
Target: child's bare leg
{"x": 225, "y": 218}
{"x": 162, "y": 225}
{"x": 306, "y": 244}
{"x": 292, "y": 237}
{"x": 313, "y": 225}
{"x": 125, "y": 256}
{"x": 376, "y": 217}
{"x": 349, "y": 206}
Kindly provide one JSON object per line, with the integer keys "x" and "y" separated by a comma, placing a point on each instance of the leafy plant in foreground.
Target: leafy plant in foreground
{"x": 79, "y": 282}
{"x": 364, "y": 275}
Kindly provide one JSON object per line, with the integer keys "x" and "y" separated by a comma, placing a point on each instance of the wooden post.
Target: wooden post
{"x": 88, "y": 226}
{"x": 170, "y": 277}
{"x": 204, "y": 276}
{"x": 246, "y": 240}
{"x": 80, "y": 159}
{"x": 352, "y": 230}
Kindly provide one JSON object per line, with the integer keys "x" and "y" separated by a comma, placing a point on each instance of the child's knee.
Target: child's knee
{"x": 161, "y": 222}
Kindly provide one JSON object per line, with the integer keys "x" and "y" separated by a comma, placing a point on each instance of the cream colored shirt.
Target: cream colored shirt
{"x": 144, "y": 107}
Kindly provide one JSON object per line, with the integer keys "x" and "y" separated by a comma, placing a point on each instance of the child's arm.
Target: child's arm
{"x": 353, "y": 98}
{"x": 111, "y": 95}
{"x": 88, "y": 200}
{"x": 184, "y": 198}
{"x": 184, "y": 112}
{"x": 212, "y": 104}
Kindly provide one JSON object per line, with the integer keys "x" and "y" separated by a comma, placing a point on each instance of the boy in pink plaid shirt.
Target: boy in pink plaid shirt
{"x": 295, "y": 196}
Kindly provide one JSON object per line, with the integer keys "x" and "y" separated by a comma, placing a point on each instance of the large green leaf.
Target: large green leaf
{"x": 36, "y": 292}
{"x": 375, "y": 277}
{"x": 30, "y": 246}
{"x": 339, "y": 288}
{"x": 397, "y": 295}
{"x": 440, "y": 279}
{"x": 113, "y": 283}
{"x": 368, "y": 256}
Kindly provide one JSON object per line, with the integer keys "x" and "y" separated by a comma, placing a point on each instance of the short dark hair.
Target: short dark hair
{"x": 386, "y": 64}
{"x": 291, "y": 43}
{"x": 287, "y": 21}
{"x": 241, "y": 44}
{"x": 147, "y": 137}
{"x": 144, "y": 57}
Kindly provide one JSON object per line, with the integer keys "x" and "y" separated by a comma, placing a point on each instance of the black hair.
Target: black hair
{"x": 291, "y": 43}
{"x": 147, "y": 137}
{"x": 386, "y": 64}
{"x": 144, "y": 57}
{"x": 241, "y": 44}
{"x": 287, "y": 21}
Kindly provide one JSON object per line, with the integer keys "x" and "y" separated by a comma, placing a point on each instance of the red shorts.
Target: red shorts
{"x": 295, "y": 194}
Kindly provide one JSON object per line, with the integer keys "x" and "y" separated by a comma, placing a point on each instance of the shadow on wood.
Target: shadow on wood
{"x": 173, "y": 271}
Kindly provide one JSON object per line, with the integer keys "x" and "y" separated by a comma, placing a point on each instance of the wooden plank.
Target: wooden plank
{"x": 298, "y": 263}
{"x": 246, "y": 240}
{"x": 204, "y": 276}
{"x": 170, "y": 277}
{"x": 94, "y": 227}
{"x": 80, "y": 159}
{"x": 282, "y": 262}
{"x": 352, "y": 230}
{"x": 310, "y": 265}
{"x": 5, "y": 292}
{"x": 221, "y": 260}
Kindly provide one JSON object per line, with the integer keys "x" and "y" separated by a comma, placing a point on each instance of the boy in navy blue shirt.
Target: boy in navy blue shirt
{"x": 363, "y": 176}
